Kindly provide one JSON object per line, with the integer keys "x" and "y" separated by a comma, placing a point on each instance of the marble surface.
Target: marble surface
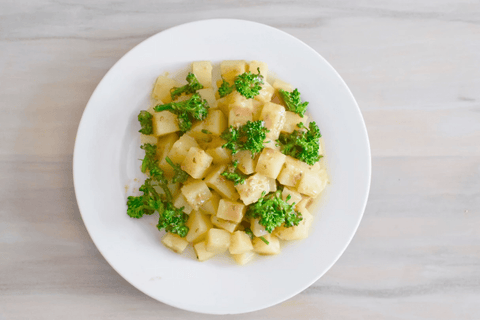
{"x": 414, "y": 67}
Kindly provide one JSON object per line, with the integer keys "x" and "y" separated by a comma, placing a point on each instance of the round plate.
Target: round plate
{"x": 106, "y": 162}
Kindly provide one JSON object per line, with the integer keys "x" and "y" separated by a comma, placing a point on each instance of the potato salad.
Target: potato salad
{"x": 232, "y": 164}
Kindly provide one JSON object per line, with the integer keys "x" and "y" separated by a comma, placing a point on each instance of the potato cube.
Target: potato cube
{"x": 203, "y": 72}
{"x": 252, "y": 189}
{"x": 257, "y": 107}
{"x": 235, "y": 99}
{"x": 272, "y": 184}
{"x": 296, "y": 232}
{"x": 270, "y": 163}
{"x": 218, "y": 183}
{"x": 291, "y": 173}
{"x": 311, "y": 185}
{"x": 161, "y": 89}
{"x": 230, "y": 210}
{"x": 180, "y": 148}
{"x": 174, "y": 242}
{"x": 243, "y": 258}
{"x": 165, "y": 143}
{"x": 273, "y": 246}
{"x": 266, "y": 93}
{"x": 291, "y": 121}
{"x": 254, "y": 65}
{"x": 223, "y": 224}
{"x": 215, "y": 122}
{"x": 164, "y": 122}
{"x": 209, "y": 95}
{"x": 201, "y": 252}
{"x": 223, "y": 105}
{"x": 196, "y": 193}
{"x": 231, "y": 69}
{"x": 211, "y": 205}
{"x": 220, "y": 155}
{"x": 198, "y": 224}
{"x": 180, "y": 202}
{"x": 148, "y": 139}
{"x": 217, "y": 240}
{"x": 257, "y": 229}
{"x": 239, "y": 116}
{"x": 274, "y": 116}
{"x": 295, "y": 197}
{"x": 196, "y": 162}
{"x": 246, "y": 163}
{"x": 279, "y": 84}
{"x": 240, "y": 243}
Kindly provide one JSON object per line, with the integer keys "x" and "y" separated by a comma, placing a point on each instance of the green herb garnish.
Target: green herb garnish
{"x": 233, "y": 174}
{"x": 225, "y": 88}
{"x": 179, "y": 175}
{"x": 264, "y": 240}
{"x": 293, "y": 102}
{"x": 191, "y": 87}
{"x": 145, "y": 119}
{"x": 247, "y": 137}
{"x": 302, "y": 145}
{"x": 249, "y": 84}
{"x": 173, "y": 220}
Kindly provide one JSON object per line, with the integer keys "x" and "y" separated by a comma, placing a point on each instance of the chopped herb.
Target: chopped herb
{"x": 249, "y": 84}
{"x": 173, "y": 220}
{"x": 191, "y": 87}
{"x": 272, "y": 211}
{"x": 206, "y": 131}
{"x": 225, "y": 88}
{"x": 302, "y": 145}
{"x": 145, "y": 119}
{"x": 187, "y": 111}
{"x": 179, "y": 175}
{"x": 233, "y": 174}
{"x": 264, "y": 240}
{"x": 293, "y": 102}
{"x": 247, "y": 137}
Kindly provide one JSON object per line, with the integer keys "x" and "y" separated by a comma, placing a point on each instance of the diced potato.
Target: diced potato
{"x": 235, "y": 99}
{"x": 196, "y": 193}
{"x": 272, "y": 184}
{"x": 230, "y": 210}
{"x": 198, "y": 224}
{"x": 223, "y": 224}
{"x": 174, "y": 242}
{"x": 291, "y": 173}
{"x": 203, "y": 72}
{"x": 296, "y": 232}
{"x": 246, "y": 163}
{"x": 311, "y": 185}
{"x": 254, "y": 65}
{"x": 148, "y": 139}
{"x": 164, "y": 122}
{"x": 252, "y": 189}
{"x": 270, "y": 163}
{"x": 257, "y": 107}
{"x": 240, "y": 243}
{"x": 291, "y": 121}
{"x": 266, "y": 93}
{"x": 211, "y": 205}
{"x": 257, "y": 229}
{"x": 161, "y": 89}
{"x": 180, "y": 202}
{"x": 295, "y": 197}
{"x": 215, "y": 122}
{"x": 201, "y": 252}
{"x": 243, "y": 258}
{"x": 239, "y": 116}
{"x": 223, "y": 105}
{"x": 217, "y": 240}
{"x": 274, "y": 116}
{"x": 196, "y": 162}
{"x": 164, "y": 145}
{"x": 273, "y": 246}
{"x": 232, "y": 68}
{"x": 180, "y": 148}
{"x": 218, "y": 183}
{"x": 209, "y": 95}
{"x": 220, "y": 155}
{"x": 279, "y": 84}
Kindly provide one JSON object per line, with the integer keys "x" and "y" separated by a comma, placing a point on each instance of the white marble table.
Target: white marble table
{"x": 414, "y": 67}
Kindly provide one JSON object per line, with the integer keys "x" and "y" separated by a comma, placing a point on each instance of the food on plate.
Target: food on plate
{"x": 229, "y": 170}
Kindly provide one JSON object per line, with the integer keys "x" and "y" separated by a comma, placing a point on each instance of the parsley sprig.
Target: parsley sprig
{"x": 233, "y": 174}
{"x": 272, "y": 211}
{"x": 248, "y": 84}
{"x": 145, "y": 119}
{"x": 187, "y": 111}
{"x": 179, "y": 175}
{"x": 302, "y": 145}
{"x": 250, "y": 136}
{"x": 191, "y": 87}
{"x": 293, "y": 102}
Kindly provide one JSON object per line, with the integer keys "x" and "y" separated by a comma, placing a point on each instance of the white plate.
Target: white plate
{"x": 107, "y": 149}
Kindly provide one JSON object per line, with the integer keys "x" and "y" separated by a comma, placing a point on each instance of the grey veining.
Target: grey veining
{"x": 414, "y": 68}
